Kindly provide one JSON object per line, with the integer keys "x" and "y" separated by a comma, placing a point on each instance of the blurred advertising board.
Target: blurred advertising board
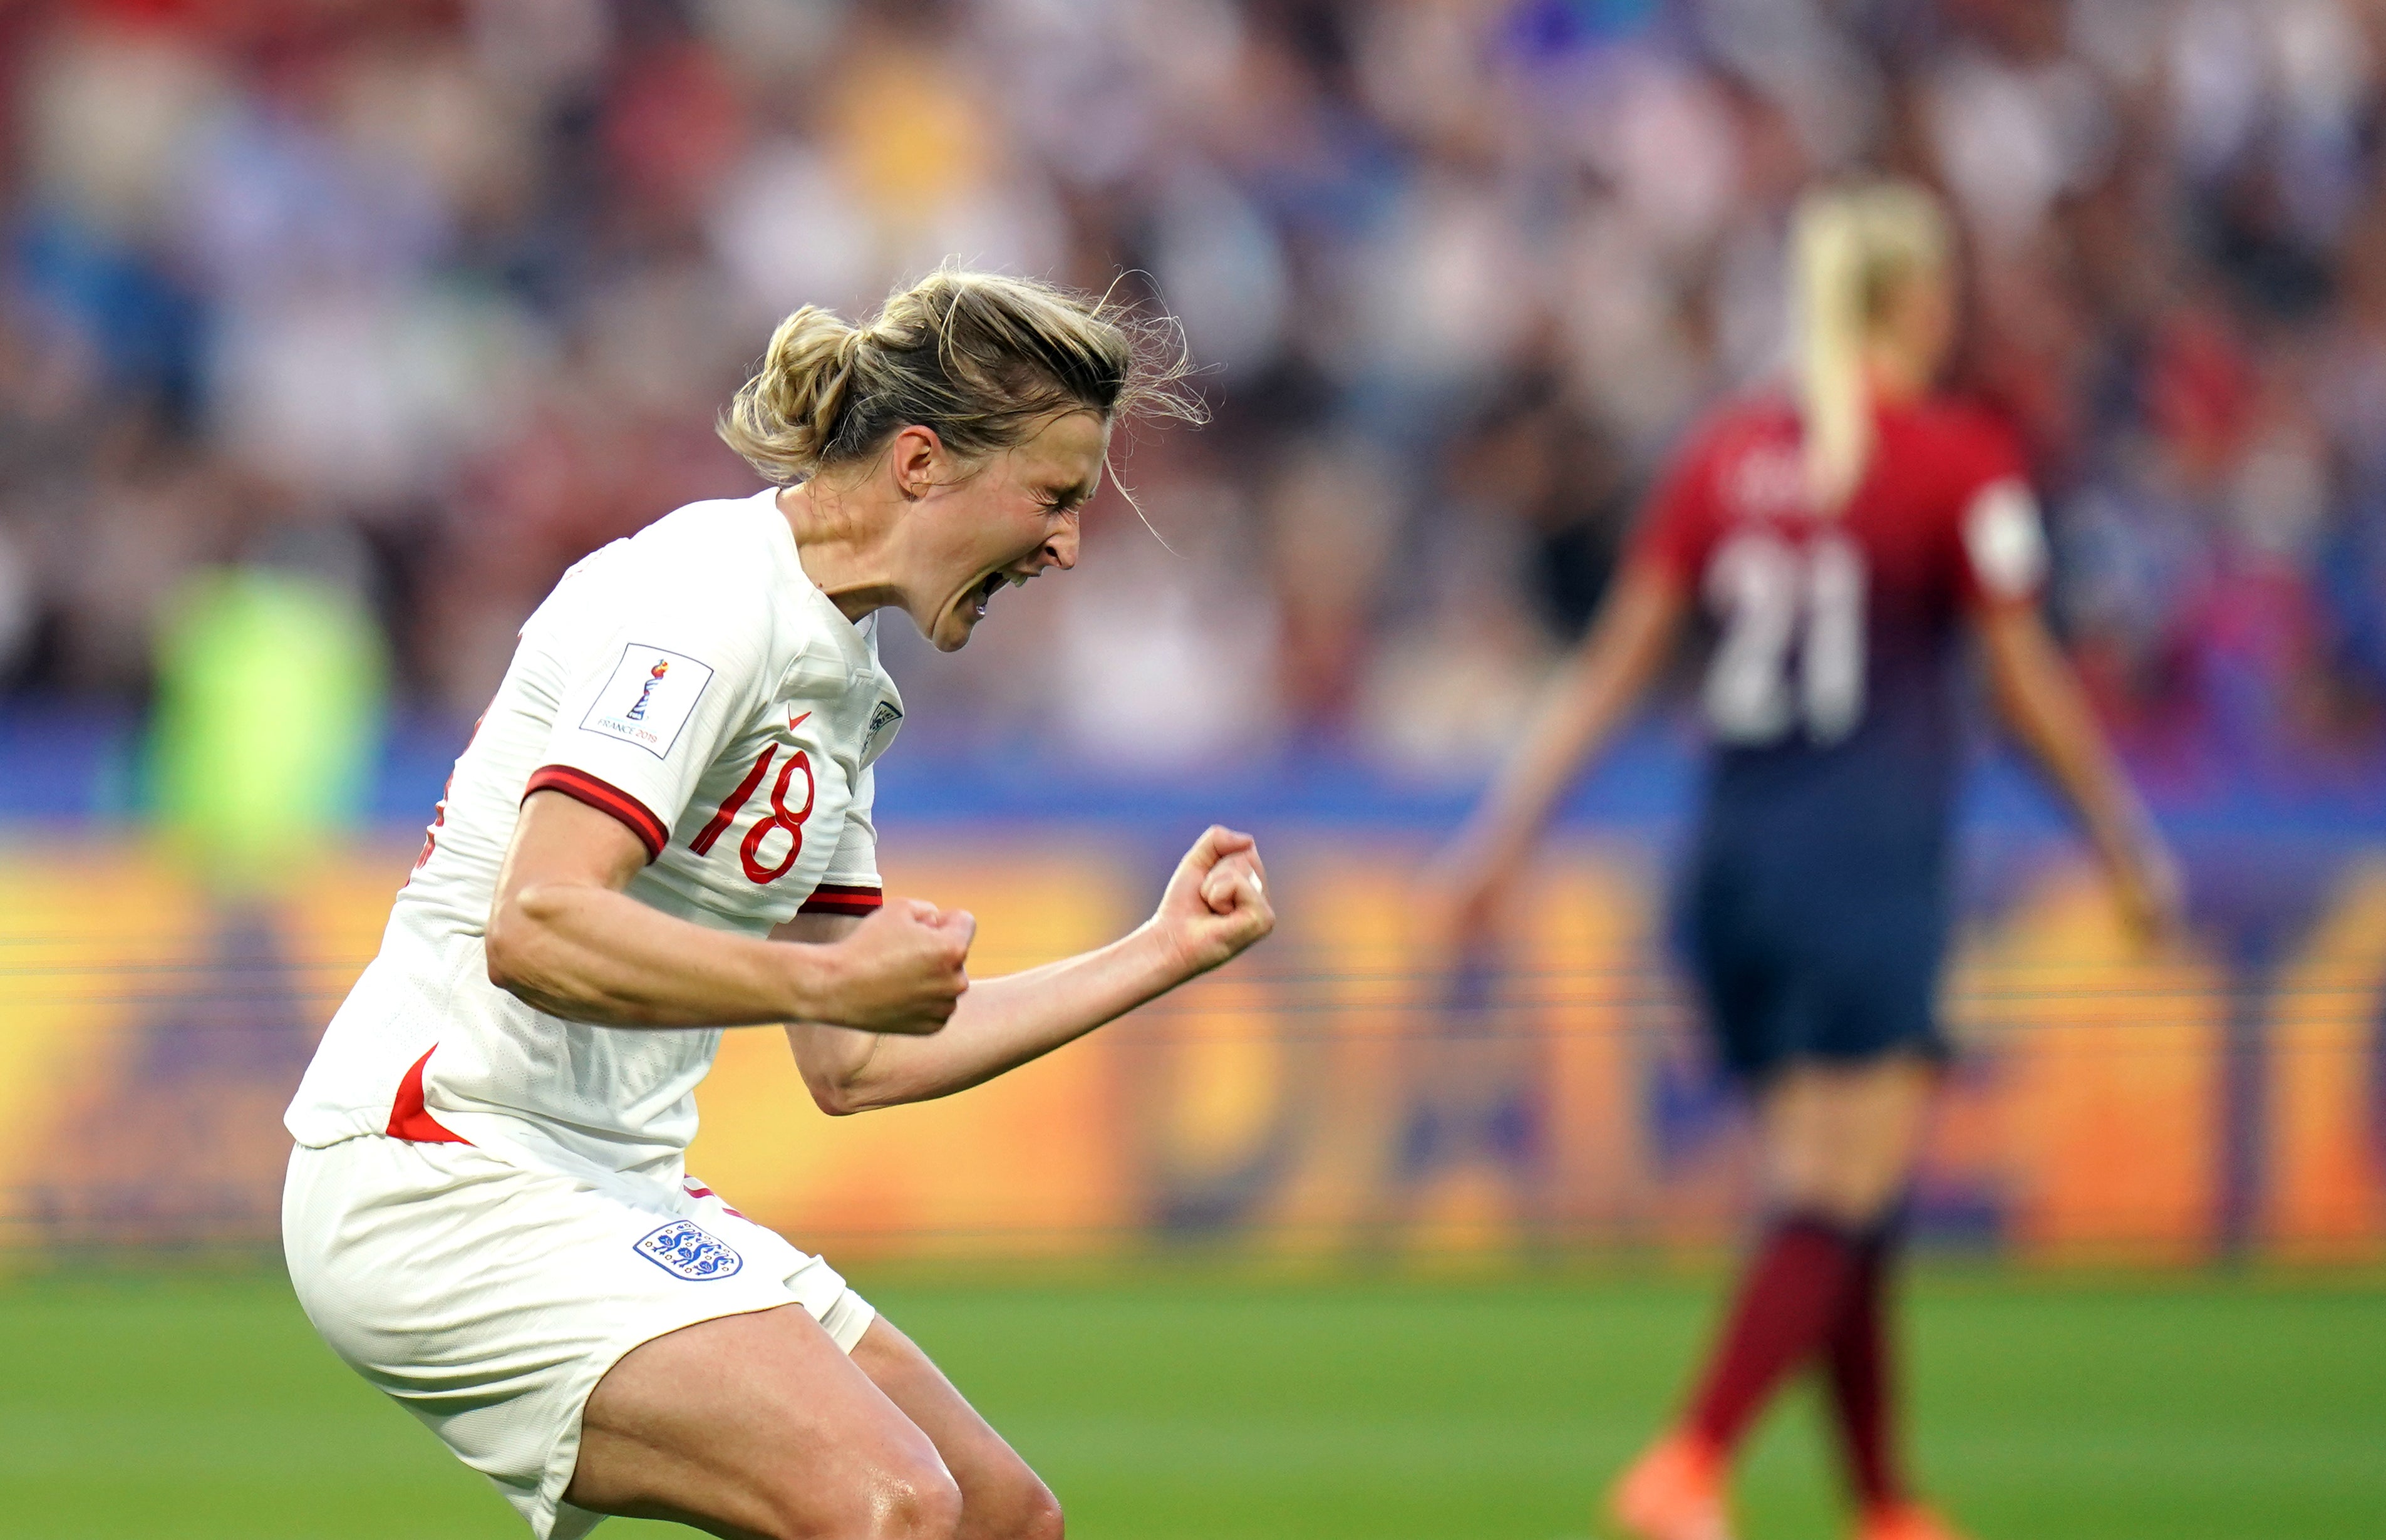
{"x": 1343, "y": 1095}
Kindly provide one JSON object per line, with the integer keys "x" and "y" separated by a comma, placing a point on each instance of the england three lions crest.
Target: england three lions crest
{"x": 689, "y": 1251}
{"x": 883, "y": 721}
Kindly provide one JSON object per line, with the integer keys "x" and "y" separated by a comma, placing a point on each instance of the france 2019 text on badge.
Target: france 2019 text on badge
{"x": 687, "y": 1250}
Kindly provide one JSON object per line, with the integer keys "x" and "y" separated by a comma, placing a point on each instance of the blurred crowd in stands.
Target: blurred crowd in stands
{"x": 429, "y": 298}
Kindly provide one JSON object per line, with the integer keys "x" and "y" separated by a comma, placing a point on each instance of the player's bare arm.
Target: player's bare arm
{"x": 2039, "y": 699}
{"x": 1217, "y": 907}
{"x": 564, "y": 938}
{"x": 1593, "y": 694}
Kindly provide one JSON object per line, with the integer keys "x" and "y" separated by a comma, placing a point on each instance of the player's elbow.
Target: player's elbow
{"x": 509, "y": 943}
{"x": 842, "y": 1096}
{"x": 836, "y": 1101}
{"x": 521, "y": 947}
{"x": 842, "y": 1091}
{"x": 830, "y": 1091}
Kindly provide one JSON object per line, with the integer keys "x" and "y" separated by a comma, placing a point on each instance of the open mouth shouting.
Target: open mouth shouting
{"x": 968, "y": 607}
{"x": 981, "y": 594}
{"x": 984, "y": 593}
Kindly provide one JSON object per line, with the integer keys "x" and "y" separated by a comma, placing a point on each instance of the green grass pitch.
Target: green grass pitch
{"x": 171, "y": 1406}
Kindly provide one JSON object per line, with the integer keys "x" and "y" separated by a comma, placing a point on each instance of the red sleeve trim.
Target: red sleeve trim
{"x": 606, "y": 797}
{"x": 843, "y": 898}
{"x": 408, "y": 1119}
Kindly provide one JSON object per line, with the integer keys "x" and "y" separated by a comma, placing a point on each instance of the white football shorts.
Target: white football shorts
{"x": 489, "y": 1298}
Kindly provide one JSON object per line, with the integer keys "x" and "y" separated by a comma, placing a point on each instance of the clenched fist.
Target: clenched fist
{"x": 901, "y": 970}
{"x": 1216, "y": 906}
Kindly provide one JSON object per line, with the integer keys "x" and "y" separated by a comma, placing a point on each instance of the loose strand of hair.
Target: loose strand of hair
{"x": 1829, "y": 259}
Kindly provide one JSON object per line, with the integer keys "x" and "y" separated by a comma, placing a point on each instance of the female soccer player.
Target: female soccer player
{"x": 663, "y": 828}
{"x": 1835, "y": 541}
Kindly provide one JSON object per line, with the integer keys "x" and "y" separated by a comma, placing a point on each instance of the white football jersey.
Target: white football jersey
{"x": 692, "y": 682}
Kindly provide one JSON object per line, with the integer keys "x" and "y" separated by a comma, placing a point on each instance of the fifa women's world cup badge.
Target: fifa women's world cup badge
{"x": 689, "y": 1251}
{"x": 652, "y": 693}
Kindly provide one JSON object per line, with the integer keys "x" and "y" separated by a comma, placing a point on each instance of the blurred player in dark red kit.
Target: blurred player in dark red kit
{"x": 1842, "y": 541}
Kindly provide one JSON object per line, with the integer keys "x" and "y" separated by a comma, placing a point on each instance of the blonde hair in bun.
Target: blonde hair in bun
{"x": 981, "y": 358}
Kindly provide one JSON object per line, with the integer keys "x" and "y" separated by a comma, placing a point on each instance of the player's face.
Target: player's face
{"x": 1014, "y": 518}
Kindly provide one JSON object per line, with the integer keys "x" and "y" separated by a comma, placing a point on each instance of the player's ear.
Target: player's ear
{"x": 915, "y": 458}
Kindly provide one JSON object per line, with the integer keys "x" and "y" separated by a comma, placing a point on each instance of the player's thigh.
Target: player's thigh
{"x": 1842, "y": 1137}
{"x": 1001, "y": 1497}
{"x": 759, "y": 1424}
